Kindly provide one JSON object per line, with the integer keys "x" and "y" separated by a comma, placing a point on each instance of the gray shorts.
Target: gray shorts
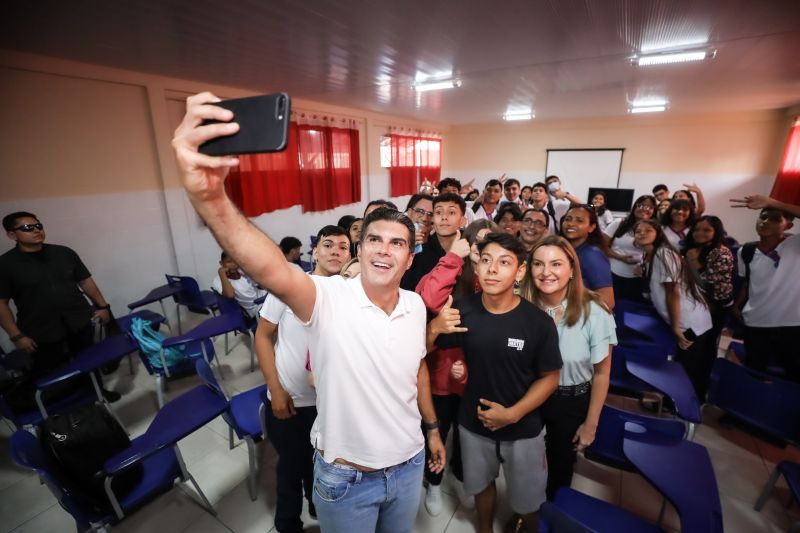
{"x": 524, "y": 466}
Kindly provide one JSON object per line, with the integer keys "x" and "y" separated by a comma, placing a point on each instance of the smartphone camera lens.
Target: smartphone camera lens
{"x": 280, "y": 110}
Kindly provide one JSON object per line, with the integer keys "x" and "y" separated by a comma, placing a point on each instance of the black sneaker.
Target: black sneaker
{"x": 111, "y": 395}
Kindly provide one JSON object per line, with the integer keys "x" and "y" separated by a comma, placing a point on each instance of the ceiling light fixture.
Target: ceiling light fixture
{"x": 436, "y": 85}
{"x": 647, "y": 108}
{"x": 676, "y": 56}
{"x": 525, "y": 115}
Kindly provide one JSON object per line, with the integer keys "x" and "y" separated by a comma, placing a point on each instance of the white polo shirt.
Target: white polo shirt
{"x": 774, "y": 294}
{"x": 245, "y": 291}
{"x": 291, "y": 350}
{"x": 365, "y": 366}
{"x": 666, "y": 267}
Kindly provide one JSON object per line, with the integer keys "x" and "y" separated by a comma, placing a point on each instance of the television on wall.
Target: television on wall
{"x": 616, "y": 199}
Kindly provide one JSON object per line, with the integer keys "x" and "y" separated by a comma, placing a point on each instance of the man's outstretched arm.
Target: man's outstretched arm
{"x": 203, "y": 177}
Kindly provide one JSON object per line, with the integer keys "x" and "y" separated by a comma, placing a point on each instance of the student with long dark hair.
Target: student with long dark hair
{"x": 586, "y": 334}
{"x": 604, "y": 216}
{"x": 624, "y": 255}
{"x": 677, "y": 222}
{"x": 712, "y": 262}
{"x": 581, "y": 228}
{"x": 680, "y": 302}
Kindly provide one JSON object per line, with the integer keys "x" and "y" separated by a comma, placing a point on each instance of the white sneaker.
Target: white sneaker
{"x": 433, "y": 500}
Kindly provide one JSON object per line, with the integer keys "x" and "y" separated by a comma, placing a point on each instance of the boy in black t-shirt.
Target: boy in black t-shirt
{"x": 511, "y": 350}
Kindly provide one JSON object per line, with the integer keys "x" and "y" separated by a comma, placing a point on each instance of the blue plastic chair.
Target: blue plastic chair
{"x": 646, "y": 328}
{"x": 623, "y": 382}
{"x": 156, "y": 451}
{"x": 575, "y": 512}
{"x": 194, "y": 350}
{"x": 245, "y": 417}
{"x": 83, "y": 395}
{"x": 791, "y": 472}
{"x": 232, "y": 320}
{"x": 607, "y": 447}
{"x": 189, "y": 295}
{"x": 681, "y": 471}
{"x": 761, "y": 400}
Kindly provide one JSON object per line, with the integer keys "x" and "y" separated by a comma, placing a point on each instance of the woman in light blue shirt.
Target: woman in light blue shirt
{"x": 586, "y": 335}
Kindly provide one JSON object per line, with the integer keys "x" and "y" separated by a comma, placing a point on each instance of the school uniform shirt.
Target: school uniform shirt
{"x": 595, "y": 266}
{"x": 291, "y": 352}
{"x": 584, "y": 344}
{"x": 245, "y": 291}
{"x": 365, "y": 365}
{"x": 505, "y": 354}
{"x": 623, "y": 245}
{"x": 774, "y": 293}
{"x": 605, "y": 220}
{"x": 665, "y": 268}
{"x": 676, "y": 238}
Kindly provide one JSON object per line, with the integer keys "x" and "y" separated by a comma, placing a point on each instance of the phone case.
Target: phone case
{"x": 263, "y": 126}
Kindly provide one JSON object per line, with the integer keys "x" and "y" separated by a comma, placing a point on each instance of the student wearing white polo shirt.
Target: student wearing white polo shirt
{"x": 366, "y": 340}
{"x": 771, "y": 313}
{"x": 291, "y": 408}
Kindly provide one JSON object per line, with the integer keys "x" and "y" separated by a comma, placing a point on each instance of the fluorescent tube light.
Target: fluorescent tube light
{"x": 647, "y": 108}
{"x": 665, "y": 58}
{"x": 436, "y": 85}
{"x": 518, "y": 116}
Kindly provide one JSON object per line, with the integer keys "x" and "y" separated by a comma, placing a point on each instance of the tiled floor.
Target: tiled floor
{"x": 742, "y": 464}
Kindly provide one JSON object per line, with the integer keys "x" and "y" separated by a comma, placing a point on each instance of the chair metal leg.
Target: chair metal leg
{"x": 186, "y": 476}
{"x": 227, "y": 348}
{"x": 230, "y": 438}
{"x": 690, "y": 431}
{"x": 252, "y": 486}
{"x": 773, "y": 478}
{"x": 130, "y": 362}
{"x": 251, "y": 342}
{"x": 160, "y": 390}
{"x": 178, "y": 312}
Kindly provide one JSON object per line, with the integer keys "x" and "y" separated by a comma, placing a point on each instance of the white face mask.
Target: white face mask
{"x": 554, "y": 186}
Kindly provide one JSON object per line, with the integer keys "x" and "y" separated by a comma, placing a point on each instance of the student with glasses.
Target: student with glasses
{"x": 420, "y": 211}
{"x": 768, "y": 301}
{"x": 49, "y": 285}
{"x": 624, "y": 255}
{"x": 533, "y": 226}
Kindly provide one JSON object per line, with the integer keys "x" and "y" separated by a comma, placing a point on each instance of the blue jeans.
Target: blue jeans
{"x": 348, "y": 500}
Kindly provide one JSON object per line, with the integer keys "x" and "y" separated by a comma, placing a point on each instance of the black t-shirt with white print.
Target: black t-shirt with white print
{"x": 505, "y": 353}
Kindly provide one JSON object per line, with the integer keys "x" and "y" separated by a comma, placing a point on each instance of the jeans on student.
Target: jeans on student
{"x": 349, "y": 501}
{"x": 294, "y": 471}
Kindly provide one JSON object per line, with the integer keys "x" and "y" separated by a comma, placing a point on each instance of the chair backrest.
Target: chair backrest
{"x": 646, "y": 326}
{"x": 768, "y": 403}
{"x": 26, "y": 451}
{"x": 607, "y": 445}
{"x": 207, "y": 376}
{"x": 189, "y": 294}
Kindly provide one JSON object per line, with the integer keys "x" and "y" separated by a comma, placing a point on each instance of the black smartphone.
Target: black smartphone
{"x": 690, "y": 335}
{"x": 263, "y": 126}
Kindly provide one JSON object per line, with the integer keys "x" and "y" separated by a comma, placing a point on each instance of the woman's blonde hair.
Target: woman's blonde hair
{"x": 348, "y": 265}
{"x": 579, "y": 299}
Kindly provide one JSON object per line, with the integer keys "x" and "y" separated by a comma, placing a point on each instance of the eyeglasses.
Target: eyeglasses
{"x": 27, "y": 228}
{"x": 421, "y": 212}
{"x": 644, "y": 207}
{"x": 532, "y": 222}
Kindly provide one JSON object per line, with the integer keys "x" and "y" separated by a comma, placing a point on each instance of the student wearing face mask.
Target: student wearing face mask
{"x": 558, "y": 200}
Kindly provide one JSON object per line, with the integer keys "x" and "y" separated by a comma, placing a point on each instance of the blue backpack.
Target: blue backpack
{"x": 150, "y": 340}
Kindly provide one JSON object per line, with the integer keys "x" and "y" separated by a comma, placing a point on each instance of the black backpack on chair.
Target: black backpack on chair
{"x": 77, "y": 445}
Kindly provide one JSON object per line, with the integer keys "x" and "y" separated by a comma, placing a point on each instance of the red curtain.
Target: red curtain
{"x": 263, "y": 183}
{"x": 320, "y": 169}
{"x": 330, "y": 167}
{"x": 413, "y": 159}
{"x": 787, "y": 182}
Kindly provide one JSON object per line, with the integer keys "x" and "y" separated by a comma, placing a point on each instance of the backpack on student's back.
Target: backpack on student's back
{"x": 78, "y": 443}
{"x": 150, "y": 341}
{"x": 748, "y": 252}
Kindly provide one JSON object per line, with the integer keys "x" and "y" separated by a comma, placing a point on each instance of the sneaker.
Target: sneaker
{"x": 433, "y": 500}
